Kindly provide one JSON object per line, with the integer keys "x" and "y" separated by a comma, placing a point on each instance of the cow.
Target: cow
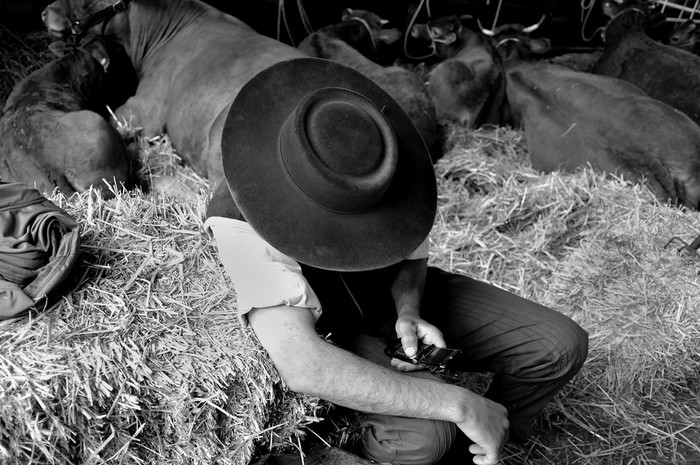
{"x": 465, "y": 81}
{"x": 686, "y": 36}
{"x": 191, "y": 59}
{"x": 366, "y": 32}
{"x": 656, "y": 24}
{"x": 573, "y": 119}
{"x": 55, "y": 130}
{"x": 666, "y": 73}
{"x": 468, "y": 81}
{"x": 338, "y": 42}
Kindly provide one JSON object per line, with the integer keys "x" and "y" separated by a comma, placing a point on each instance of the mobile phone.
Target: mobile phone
{"x": 427, "y": 354}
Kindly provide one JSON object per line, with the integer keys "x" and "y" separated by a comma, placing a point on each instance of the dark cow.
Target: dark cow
{"x": 55, "y": 130}
{"x": 686, "y": 36}
{"x": 337, "y": 42}
{"x": 365, "y": 32}
{"x": 573, "y": 119}
{"x": 192, "y": 60}
{"x": 666, "y": 73}
{"x": 463, "y": 85}
{"x": 656, "y": 24}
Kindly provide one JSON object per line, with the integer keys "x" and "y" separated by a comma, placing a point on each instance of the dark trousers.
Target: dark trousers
{"x": 532, "y": 350}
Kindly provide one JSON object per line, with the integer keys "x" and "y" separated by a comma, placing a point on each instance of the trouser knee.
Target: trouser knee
{"x": 574, "y": 352}
{"x": 406, "y": 441}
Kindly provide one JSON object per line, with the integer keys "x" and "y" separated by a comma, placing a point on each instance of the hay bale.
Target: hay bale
{"x": 145, "y": 360}
{"x": 590, "y": 246}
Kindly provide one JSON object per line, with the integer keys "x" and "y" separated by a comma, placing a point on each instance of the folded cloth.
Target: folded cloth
{"x": 39, "y": 244}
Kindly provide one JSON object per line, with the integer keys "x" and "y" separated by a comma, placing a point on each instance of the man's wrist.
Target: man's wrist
{"x": 406, "y": 311}
{"x": 462, "y": 408}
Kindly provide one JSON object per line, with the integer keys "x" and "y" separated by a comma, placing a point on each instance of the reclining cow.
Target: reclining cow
{"x": 191, "y": 59}
{"x": 573, "y": 119}
{"x": 55, "y": 130}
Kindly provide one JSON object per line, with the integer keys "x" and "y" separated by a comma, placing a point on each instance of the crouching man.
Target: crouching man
{"x": 322, "y": 224}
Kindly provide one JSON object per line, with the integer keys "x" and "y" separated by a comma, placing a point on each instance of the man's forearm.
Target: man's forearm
{"x": 312, "y": 366}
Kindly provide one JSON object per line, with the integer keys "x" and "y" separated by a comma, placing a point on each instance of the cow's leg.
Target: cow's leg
{"x": 147, "y": 109}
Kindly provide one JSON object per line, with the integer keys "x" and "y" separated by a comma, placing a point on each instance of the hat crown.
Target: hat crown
{"x": 339, "y": 150}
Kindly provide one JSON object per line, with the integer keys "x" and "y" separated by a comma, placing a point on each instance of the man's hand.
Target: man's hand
{"x": 412, "y": 329}
{"x": 487, "y": 426}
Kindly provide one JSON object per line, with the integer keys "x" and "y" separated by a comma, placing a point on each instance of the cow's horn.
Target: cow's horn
{"x": 485, "y": 31}
{"x": 532, "y": 28}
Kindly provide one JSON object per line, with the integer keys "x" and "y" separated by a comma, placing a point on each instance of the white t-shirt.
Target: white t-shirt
{"x": 262, "y": 275}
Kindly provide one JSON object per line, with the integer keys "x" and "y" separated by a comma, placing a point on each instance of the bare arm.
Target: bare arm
{"x": 312, "y": 366}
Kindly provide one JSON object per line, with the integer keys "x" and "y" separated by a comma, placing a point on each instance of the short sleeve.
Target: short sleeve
{"x": 421, "y": 252}
{"x": 262, "y": 276}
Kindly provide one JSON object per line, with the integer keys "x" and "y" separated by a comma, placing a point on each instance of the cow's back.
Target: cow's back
{"x": 572, "y": 119}
{"x": 70, "y": 83}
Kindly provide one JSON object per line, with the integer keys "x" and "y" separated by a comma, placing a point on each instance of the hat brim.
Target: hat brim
{"x": 288, "y": 220}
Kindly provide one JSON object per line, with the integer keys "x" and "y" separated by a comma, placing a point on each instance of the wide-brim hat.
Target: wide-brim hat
{"x": 327, "y": 167}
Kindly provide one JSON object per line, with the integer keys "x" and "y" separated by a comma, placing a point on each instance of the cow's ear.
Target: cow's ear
{"x": 539, "y": 46}
{"x": 61, "y": 48}
{"x": 347, "y": 14}
{"x": 389, "y": 36}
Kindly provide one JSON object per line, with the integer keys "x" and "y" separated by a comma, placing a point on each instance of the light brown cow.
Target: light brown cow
{"x": 192, "y": 60}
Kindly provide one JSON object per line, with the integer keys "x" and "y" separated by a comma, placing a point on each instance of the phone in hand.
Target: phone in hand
{"x": 427, "y": 354}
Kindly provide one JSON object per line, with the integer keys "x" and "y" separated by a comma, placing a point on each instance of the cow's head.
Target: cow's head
{"x": 612, "y": 8}
{"x": 374, "y": 25}
{"x": 514, "y": 41}
{"x": 444, "y": 34}
{"x": 685, "y": 35}
{"x": 74, "y": 18}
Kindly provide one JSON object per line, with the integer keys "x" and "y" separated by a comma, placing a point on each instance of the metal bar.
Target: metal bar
{"x": 682, "y": 20}
{"x": 665, "y": 4}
